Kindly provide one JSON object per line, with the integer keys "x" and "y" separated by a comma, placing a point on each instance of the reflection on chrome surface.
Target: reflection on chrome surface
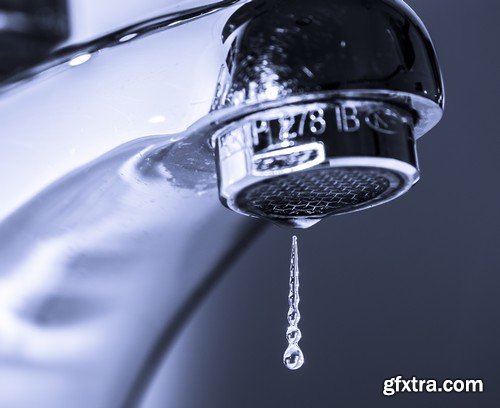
{"x": 110, "y": 237}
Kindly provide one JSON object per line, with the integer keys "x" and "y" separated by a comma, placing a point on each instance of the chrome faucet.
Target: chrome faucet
{"x": 285, "y": 110}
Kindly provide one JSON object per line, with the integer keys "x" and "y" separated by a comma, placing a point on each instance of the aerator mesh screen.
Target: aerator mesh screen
{"x": 316, "y": 193}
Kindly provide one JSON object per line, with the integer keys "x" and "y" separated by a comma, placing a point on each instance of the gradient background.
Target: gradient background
{"x": 410, "y": 288}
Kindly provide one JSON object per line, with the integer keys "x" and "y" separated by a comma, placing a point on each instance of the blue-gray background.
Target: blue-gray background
{"x": 410, "y": 288}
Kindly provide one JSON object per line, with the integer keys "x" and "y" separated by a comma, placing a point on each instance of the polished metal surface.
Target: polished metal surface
{"x": 272, "y": 164}
{"x": 104, "y": 253}
{"x": 107, "y": 231}
{"x": 370, "y": 77}
{"x": 378, "y": 49}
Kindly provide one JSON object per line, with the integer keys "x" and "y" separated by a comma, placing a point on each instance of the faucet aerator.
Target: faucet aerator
{"x": 319, "y": 119}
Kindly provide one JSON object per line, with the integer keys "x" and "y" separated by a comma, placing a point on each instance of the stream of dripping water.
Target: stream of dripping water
{"x": 293, "y": 357}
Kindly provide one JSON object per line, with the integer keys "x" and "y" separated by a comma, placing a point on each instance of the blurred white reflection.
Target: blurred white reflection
{"x": 157, "y": 119}
{"x": 79, "y": 60}
{"x": 127, "y": 37}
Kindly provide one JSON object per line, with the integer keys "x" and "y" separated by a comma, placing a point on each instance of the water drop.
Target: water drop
{"x": 293, "y": 316}
{"x": 293, "y": 357}
{"x": 293, "y": 335}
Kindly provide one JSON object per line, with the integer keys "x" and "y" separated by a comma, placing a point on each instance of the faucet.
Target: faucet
{"x": 121, "y": 132}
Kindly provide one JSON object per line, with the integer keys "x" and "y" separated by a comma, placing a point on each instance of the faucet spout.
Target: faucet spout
{"x": 337, "y": 94}
{"x": 115, "y": 153}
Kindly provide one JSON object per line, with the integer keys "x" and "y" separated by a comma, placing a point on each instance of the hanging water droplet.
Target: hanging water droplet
{"x": 293, "y": 357}
{"x": 293, "y": 335}
{"x": 293, "y": 317}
